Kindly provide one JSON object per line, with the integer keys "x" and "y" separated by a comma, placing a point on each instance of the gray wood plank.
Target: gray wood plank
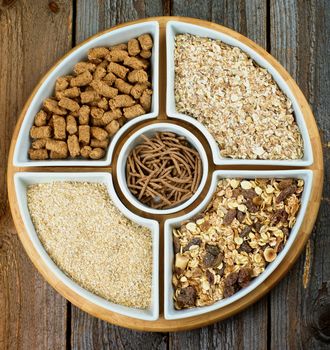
{"x": 89, "y": 332}
{"x": 248, "y": 330}
{"x": 94, "y": 16}
{"x": 33, "y": 315}
{"x": 300, "y": 304}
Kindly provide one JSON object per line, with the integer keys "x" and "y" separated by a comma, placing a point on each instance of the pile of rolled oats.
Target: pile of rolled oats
{"x": 245, "y": 226}
{"x": 238, "y": 101}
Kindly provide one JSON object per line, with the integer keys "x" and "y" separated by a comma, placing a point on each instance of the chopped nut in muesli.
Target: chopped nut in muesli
{"x": 238, "y": 101}
{"x": 245, "y": 226}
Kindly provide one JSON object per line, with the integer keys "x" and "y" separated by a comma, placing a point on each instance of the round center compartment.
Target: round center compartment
{"x": 135, "y": 168}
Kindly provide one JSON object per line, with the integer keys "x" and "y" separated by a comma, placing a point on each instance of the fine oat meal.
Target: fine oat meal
{"x": 243, "y": 229}
{"x": 89, "y": 106}
{"x": 163, "y": 171}
{"x": 92, "y": 242}
{"x": 238, "y": 101}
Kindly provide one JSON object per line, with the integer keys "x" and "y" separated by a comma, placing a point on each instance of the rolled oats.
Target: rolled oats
{"x": 238, "y": 101}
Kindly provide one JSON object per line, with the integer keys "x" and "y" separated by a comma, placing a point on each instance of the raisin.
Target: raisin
{"x": 245, "y": 247}
{"x": 236, "y": 192}
{"x": 194, "y": 241}
{"x": 211, "y": 260}
{"x": 285, "y": 231}
{"x": 212, "y": 249}
{"x": 251, "y": 207}
{"x": 280, "y": 247}
{"x": 205, "y": 226}
{"x": 210, "y": 277}
{"x": 249, "y": 194}
{"x": 257, "y": 226}
{"x": 229, "y": 291}
{"x": 286, "y": 193}
{"x": 187, "y": 297}
{"x": 284, "y": 184}
{"x": 240, "y": 216}
{"x": 178, "y": 271}
{"x": 176, "y": 245}
{"x": 244, "y": 277}
{"x": 279, "y": 216}
{"x": 246, "y": 230}
{"x": 229, "y": 217}
{"x": 231, "y": 279}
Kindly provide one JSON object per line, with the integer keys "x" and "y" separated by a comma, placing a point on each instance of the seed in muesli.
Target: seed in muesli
{"x": 243, "y": 229}
{"x": 238, "y": 101}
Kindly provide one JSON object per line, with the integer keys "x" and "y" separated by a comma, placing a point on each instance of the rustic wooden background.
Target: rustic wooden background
{"x": 33, "y": 35}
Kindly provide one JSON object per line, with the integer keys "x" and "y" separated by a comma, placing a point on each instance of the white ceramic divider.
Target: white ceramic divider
{"x": 170, "y": 313}
{"x": 23, "y": 180}
{"x": 64, "y": 67}
{"x": 176, "y": 27}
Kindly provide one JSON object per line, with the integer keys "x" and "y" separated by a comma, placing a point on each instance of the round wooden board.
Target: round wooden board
{"x": 161, "y": 324}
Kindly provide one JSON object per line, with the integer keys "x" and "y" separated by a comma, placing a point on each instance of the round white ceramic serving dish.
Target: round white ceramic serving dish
{"x": 23, "y": 180}
{"x": 136, "y": 139}
{"x": 64, "y": 67}
{"x": 170, "y": 313}
{"x": 174, "y": 28}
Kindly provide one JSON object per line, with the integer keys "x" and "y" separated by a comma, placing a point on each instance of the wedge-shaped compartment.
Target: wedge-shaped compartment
{"x": 23, "y": 180}
{"x": 65, "y": 67}
{"x": 176, "y": 27}
{"x": 170, "y": 312}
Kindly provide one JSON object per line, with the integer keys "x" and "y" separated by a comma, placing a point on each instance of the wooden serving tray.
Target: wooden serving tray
{"x": 162, "y": 324}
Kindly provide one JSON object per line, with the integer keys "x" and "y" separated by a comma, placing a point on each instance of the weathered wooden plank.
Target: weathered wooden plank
{"x": 246, "y": 17}
{"x": 94, "y": 16}
{"x": 247, "y": 330}
{"x": 300, "y": 304}
{"x": 32, "y": 36}
{"x": 89, "y": 332}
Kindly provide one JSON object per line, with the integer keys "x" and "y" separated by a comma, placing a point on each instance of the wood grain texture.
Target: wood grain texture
{"x": 33, "y": 315}
{"x": 249, "y": 327}
{"x": 300, "y": 305}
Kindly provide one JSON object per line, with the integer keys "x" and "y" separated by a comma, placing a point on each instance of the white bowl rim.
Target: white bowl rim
{"x": 122, "y": 156}
{"x": 22, "y": 179}
{"x": 169, "y": 312}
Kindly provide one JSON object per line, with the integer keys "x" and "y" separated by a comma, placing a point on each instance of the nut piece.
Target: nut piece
{"x": 84, "y": 115}
{"x": 97, "y": 153}
{"x": 134, "y": 111}
{"x": 98, "y": 133}
{"x": 133, "y": 47}
{"x": 71, "y": 124}
{"x": 112, "y": 127}
{"x": 84, "y": 134}
{"x": 137, "y": 76}
{"x": 103, "y": 88}
{"x": 270, "y": 254}
{"x": 145, "y": 41}
{"x": 181, "y": 261}
{"x": 59, "y": 127}
{"x": 85, "y": 151}
{"x": 41, "y": 118}
{"x": 38, "y": 154}
{"x": 40, "y": 132}
{"x": 118, "y": 70}
{"x": 69, "y": 104}
{"x": 73, "y": 146}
